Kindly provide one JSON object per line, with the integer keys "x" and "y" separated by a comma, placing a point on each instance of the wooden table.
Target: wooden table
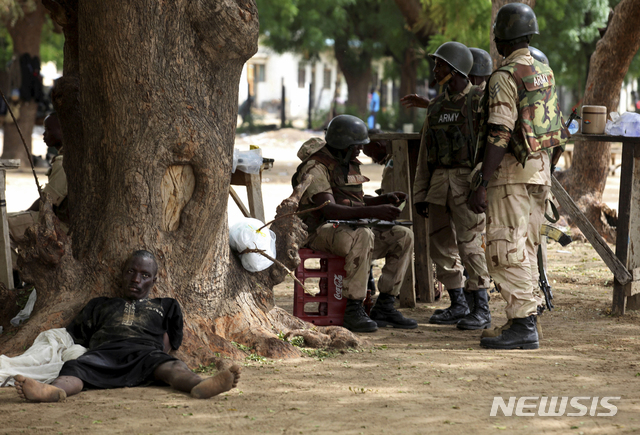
{"x": 253, "y": 183}
{"x": 626, "y": 295}
{"x": 419, "y": 277}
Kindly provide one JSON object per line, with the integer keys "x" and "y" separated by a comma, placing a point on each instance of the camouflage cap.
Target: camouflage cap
{"x": 457, "y": 55}
{"x": 346, "y": 130}
{"x": 515, "y": 20}
{"x": 539, "y": 55}
{"x": 482, "y": 63}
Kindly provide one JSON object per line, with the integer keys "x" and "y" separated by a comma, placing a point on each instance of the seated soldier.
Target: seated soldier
{"x": 337, "y": 179}
{"x": 128, "y": 339}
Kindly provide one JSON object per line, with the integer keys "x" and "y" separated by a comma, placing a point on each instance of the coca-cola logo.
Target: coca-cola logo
{"x": 337, "y": 281}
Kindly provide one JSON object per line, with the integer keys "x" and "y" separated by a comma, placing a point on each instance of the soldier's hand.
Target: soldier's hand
{"x": 423, "y": 209}
{"x": 396, "y": 198}
{"x": 478, "y": 200}
{"x": 385, "y": 212}
{"x": 414, "y": 100}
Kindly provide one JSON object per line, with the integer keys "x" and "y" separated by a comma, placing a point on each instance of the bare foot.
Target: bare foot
{"x": 36, "y": 391}
{"x": 223, "y": 381}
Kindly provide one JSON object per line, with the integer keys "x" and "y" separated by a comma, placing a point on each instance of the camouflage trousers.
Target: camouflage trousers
{"x": 515, "y": 214}
{"x": 359, "y": 246}
{"x": 455, "y": 244}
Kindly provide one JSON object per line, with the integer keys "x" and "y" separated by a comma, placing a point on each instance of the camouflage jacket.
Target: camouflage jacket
{"x": 539, "y": 123}
{"x": 329, "y": 174}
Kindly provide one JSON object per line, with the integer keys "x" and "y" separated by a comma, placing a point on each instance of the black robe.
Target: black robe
{"x": 125, "y": 340}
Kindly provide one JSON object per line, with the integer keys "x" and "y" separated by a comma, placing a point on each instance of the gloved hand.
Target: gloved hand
{"x": 423, "y": 209}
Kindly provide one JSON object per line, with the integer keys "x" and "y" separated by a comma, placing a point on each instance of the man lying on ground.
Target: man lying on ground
{"x": 128, "y": 339}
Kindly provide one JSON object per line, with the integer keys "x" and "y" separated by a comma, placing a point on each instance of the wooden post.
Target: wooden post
{"x": 401, "y": 183}
{"x": 254, "y": 195}
{"x": 628, "y": 229}
{"x": 6, "y": 268}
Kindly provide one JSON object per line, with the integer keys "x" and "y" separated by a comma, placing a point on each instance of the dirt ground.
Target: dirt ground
{"x": 435, "y": 379}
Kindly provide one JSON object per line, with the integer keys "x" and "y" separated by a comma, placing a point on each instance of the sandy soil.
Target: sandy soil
{"x": 435, "y": 379}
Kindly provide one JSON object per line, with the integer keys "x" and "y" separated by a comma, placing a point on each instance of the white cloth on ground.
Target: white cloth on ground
{"x": 44, "y": 359}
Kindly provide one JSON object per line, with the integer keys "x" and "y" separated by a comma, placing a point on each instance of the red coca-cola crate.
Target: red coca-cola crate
{"x": 326, "y": 307}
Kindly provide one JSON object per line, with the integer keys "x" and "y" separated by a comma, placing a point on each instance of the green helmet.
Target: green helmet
{"x": 457, "y": 55}
{"x": 515, "y": 20}
{"x": 346, "y": 130}
{"x": 482, "y": 63}
{"x": 539, "y": 55}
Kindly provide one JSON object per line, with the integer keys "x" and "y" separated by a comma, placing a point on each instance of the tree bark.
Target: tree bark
{"x": 495, "y": 6}
{"x": 148, "y": 109}
{"x": 356, "y": 68}
{"x": 408, "y": 81}
{"x": 587, "y": 177}
{"x": 25, "y": 34}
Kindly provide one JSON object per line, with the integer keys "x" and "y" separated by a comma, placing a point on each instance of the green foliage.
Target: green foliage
{"x": 465, "y": 21}
{"x": 568, "y": 36}
{"x": 6, "y": 47}
{"x": 310, "y": 27}
{"x": 12, "y": 10}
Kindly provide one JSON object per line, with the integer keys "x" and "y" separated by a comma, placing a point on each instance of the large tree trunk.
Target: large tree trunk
{"x": 148, "y": 109}
{"x": 356, "y": 68}
{"x": 495, "y": 6}
{"x": 408, "y": 81}
{"x": 25, "y": 34}
{"x": 587, "y": 177}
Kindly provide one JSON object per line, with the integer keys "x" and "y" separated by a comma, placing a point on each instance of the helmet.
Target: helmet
{"x": 539, "y": 55}
{"x": 346, "y": 130}
{"x": 482, "y": 63}
{"x": 515, "y": 20}
{"x": 457, "y": 55}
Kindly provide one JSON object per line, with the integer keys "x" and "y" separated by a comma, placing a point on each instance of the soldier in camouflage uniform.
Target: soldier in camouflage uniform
{"x": 337, "y": 179}
{"x": 523, "y": 120}
{"x": 446, "y": 158}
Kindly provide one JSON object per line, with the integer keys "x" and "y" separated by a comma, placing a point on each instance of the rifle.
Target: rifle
{"x": 560, "y": 237}
{"x": 367, "y": 223}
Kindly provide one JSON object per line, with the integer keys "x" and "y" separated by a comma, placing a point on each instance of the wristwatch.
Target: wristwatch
{"x": 477, "y": 181}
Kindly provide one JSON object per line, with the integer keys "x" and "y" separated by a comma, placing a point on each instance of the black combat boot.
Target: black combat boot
{"x": 468, "y": 295}
{"x": 455, "y": 312}
{"x": 480, "y": 316}
{"x": 521, "y": 335}
{"x": 385, "y": 314}
{"x": 355, "y": 319}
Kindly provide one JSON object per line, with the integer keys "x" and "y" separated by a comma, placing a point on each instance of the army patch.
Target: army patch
{"x": 540, "y": 80}
{"x": 448, "y": 117}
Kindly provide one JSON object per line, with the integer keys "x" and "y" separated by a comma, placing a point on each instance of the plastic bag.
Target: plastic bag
{"x": 627, "y": 124}
{"x": 26, "y": 311}
{"x": 44, "y": 359}
{"x": 243, "y": 235}
{"x": 248, "y": 161}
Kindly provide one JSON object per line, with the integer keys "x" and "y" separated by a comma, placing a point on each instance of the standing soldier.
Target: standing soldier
{"x": 482, "y": 67}
{"x": 523, "y": 120}
{"x": 447, "y": 156}
{"x": 337, "y": 179}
